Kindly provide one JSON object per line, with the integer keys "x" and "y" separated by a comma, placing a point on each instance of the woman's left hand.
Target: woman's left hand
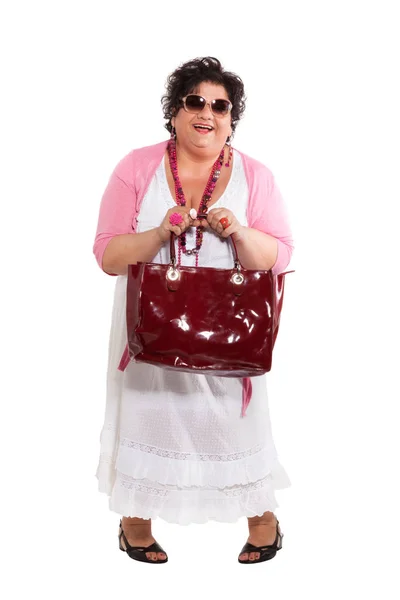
{"x": 234, "y": 228}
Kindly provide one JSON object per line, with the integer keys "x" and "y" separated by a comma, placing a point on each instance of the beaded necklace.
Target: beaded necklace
{"x": 181, "y": 200}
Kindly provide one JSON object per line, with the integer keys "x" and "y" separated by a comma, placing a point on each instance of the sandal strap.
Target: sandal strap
{"x": 154, "y": 547}
{"x": 251, "y": 548}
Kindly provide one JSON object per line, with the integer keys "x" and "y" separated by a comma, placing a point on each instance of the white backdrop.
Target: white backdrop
{"x": 82, "y": 83}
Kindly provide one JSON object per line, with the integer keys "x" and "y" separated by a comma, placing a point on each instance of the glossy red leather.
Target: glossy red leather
{"x": 201, "y": 320}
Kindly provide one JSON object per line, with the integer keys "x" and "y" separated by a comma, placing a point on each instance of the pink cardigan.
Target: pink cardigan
{"x": 128, "y": 184}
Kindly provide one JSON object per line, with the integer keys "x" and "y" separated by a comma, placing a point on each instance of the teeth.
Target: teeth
{"x": 203, "y": 127}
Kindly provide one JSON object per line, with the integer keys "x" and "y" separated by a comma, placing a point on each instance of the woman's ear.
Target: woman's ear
{"x": 173, "y": 121}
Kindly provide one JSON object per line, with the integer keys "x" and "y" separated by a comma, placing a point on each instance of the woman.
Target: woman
{"x": 173, "y": 444}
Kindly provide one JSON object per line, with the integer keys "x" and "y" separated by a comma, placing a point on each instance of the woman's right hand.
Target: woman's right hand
{"x": 165, "y": 229}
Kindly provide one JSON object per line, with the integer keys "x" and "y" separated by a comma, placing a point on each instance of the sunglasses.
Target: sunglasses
{"x": 195, "y": 104}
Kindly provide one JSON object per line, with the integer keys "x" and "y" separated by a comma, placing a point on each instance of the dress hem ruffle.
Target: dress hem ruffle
{"x": 146, "y": 499}
{"x": 147, "y": 462}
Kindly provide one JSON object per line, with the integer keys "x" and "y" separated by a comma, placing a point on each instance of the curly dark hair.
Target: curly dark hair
{"x": 189, "y": 75}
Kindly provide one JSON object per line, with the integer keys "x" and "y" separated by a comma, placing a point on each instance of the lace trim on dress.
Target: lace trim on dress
{"x": 236, "y": 490}
{"x": 141, "y": 498}
{"x": 190, "y": 496}
{"x": 129, "y": 483}
{"x": 169, "y": 473}
{"x": 188, "y": 455}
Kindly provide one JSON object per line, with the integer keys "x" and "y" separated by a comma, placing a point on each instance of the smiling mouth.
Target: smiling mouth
{"x": 203, "y": 128}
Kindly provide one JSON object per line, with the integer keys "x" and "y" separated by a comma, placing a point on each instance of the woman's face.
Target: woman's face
{"x": 185, "y": 122}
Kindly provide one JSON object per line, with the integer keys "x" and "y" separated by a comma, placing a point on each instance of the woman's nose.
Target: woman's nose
{"x": 206, "y": 111}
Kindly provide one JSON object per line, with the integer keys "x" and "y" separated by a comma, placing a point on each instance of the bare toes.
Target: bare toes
{"x": 161, "y": 556}
{"x": 251, "y": 556}
{"x": 244, "y": 556}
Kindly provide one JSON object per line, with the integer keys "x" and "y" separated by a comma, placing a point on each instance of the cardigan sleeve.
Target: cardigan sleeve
{"x": 269, "y": 214}
{"x": 117, "y": 208}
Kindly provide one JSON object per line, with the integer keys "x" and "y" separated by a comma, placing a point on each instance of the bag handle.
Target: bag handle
{"x": 238, "y": 264}
{"x": 173, "y": 275}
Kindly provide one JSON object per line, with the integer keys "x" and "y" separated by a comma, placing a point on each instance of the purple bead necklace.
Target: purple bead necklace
{"x": 181, "y": 200}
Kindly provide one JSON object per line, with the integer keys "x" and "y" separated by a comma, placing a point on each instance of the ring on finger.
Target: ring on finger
{"x": 224, "y": 222}
{"x": 176, "y": 218}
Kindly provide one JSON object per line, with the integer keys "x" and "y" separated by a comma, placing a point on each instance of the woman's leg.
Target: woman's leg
{"x": 262, "y": 532}
{"x": 138, "y": 533}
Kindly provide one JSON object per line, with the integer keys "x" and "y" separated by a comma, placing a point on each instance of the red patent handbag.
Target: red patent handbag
{"x": 200, "y": 319}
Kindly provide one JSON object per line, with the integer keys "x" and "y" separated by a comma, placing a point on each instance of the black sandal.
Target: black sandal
{"x": 266, "y": 552}
{"x": 139, "y": 552}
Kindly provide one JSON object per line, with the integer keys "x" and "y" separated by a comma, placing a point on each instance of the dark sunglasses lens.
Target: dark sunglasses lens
{"x": 220, "y": 107}
{"x": 194, "y": 103}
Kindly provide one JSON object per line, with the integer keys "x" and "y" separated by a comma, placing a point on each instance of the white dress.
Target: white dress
{"x": 173, "y": 445}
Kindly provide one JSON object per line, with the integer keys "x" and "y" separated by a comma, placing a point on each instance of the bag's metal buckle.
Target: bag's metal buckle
{"x": 238, "y": 277}
{"x": 173, "y": 273}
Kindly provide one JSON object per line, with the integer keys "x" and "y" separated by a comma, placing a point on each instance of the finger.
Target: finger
{"x": 225, "y": 233}
{"x": 215, "y": 222}
{"x": 215, "y": 211}
{"x": 212, "y": 219}
{"x": 218, "y": 215}
{"x": 204, "y": 223}
{"x": 201, "y": 223}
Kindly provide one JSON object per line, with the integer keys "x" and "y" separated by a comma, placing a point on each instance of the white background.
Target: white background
{"x": 82, "y": 83}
